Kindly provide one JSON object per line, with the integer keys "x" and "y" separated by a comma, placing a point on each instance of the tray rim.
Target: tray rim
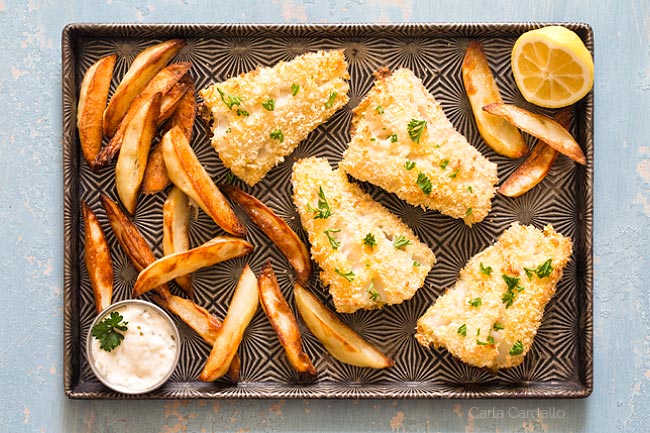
{"x": 71, "y": 219}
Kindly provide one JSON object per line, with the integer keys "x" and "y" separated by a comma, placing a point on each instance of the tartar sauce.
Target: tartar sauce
{"x": 145, "y": 357}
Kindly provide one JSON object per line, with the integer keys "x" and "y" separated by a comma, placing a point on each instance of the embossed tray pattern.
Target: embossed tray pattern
{"x": 560, "y": 361}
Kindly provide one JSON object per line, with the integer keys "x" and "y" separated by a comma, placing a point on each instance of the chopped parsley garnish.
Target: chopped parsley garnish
{"x": 468, "y": 212}
{"x": 517, "y": 348}
{"x": 277, "y": 135}
{"x": 476, "y": 302}
{"x": 393, "y": 138}
{"x": 373, "y": 139}
{"x": 228, "y": 99}
{"x": 269, "y": 104}
{"x": 333, "y": 241}
{"x": 415, "y": 129}
{"x": 369, "y": 240}
{"x": 497, "y": 326}
{"x": 424, "y": 183}
{"x": 455, "y": 173}
{"x": 462, "y": 330}
{"x": 374, "y": 295}
{"x": 323, "y": 211}
{"x": 330, "y": 99}
{"x": 294, "y": 89}
{"x": 228, "y": 131}
{"x": 401, "y": 241}
{"x": 513, "y": 284}
{"x": 487, "y": 270}
{"x": 347, "y": 275}
{"x": 242, "y": 113}
{"x": 107, "y": 333}
{"x": 416, "y": 264}
{"x": 444, "y": 164}
{"x": 542, "y": 271}
{"x": 409, "y": 165}
{"x": 490, "y": 340}
{"x": 230, "y": 178}
{"x": 469, "y": 188}
{"x": 379, "y": 109}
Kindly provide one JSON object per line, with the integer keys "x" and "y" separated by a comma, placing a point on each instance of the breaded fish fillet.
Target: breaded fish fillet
{"x": 260, "y": 117}
{"x": 403, "y": 142}
{"x": 490, "y": 317}
{"x": 369, "y": 258}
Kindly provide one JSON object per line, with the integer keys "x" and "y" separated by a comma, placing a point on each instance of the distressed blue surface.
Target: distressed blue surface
{"x": 31, "y": 228}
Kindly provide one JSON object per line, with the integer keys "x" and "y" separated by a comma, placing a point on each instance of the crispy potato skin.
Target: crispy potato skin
{"x": 187, "y": 173}
{"x": 534, "y": 168}
{"x": 338, "y": 339}
{"x": 144, "y": 67}
{"x": 283, "y": 321}
{"x": 93, "y": 95}
{"x": 163, "y": 82}
{"x": 176, "y": 232}
{"x": 242, "y": 308}
{"x": 97, "y": 255}
{"x": 517, "y": 248}
{"x": 132, "y": 161}
{"x": 169, "y": 267}
{"x": 287, "y": 241}
{"x": 185, "y": 114}
{"x": 481, "y": 89}
{"x": 541, "y": 127}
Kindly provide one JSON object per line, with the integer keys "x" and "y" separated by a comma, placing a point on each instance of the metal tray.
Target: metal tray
{"x": 560, "y": 362}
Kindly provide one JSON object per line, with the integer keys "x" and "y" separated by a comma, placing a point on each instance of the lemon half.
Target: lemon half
{"x": 552, "y": 67}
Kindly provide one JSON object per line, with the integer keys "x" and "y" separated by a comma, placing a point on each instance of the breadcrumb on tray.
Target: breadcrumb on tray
{"x": 368, "y": 256}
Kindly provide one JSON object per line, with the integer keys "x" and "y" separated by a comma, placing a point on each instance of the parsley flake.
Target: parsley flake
{"x": 424, "y": 183}
{"x": 294, "y": 89}
{"x": 401, "y": 241}
{"x": 455, "y": 173}
{"x": 269, "y": 104}
{"x": 486, "y": 270}
{"x": 323, "y": 211}
{"x": 333, "y": 241}
{"x": 242, "y": 113}
{"x": 444, "y": 164}
{"x": 393, "y": 138}
{"x": 542, "y": 271}
{"x": 517, "y": 348}
{"x": 379, "y": 109}
{"x": 462, "y": 330}
{"x": 497, "y": 326}
{"x": 409, "y": 165}
{"x": 369, "y": 240}
{"x": 228, "y": 99}
{"x": 330, "y": 99}
{"x": 277, "y": 135}
{"x": 415, "y": 129}
{"x": 347, "y": 275}
{"x": 476, "y": 302}
{"x": 374, "y": 295}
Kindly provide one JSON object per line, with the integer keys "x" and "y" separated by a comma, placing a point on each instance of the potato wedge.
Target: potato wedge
{"x": 155, "y": 177}
{"x": 167, "y": 268}
{"x": 97, "y": 256}
{"x": 481, "y": 90}
{"x": 185, "y": 113}
{"x": 200, "y": 320}
{"x": 162, "y": 83}
{"x": 187, "y": 173}
{"x": 242, "y": 308}
{"x": 93, "y": 95}
{"x": 338, "y": 338}
{"x": 142, "y": 70}
{"x": 283, "y": 321}
{"x": 533, "y": 170}
{"x": 541, "y": 127}
{"x": 176, "y": 232}
{"x": 172, "y": 99}
{"x": 136, "y": 144}
{"x": 276, "y": 229}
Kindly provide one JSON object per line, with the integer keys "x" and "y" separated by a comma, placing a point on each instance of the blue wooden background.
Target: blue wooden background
{"x": 31, "y": 228}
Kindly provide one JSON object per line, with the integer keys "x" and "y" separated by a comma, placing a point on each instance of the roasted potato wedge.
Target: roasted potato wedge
{"x": 163, "y": 82}
{"x": 97, "y": 256}
{"x": 283, "y": 321}
{"x": 242, "y": 308}
{"x": 93, "y": 95}
{"x": 176, "y": 231}
{"x": 172, "y": 99}
{"x": 338, "y": 338}
{"x": 144, "y": 67}
{"x": 185, "y": 262}
{"x": 276, "y": 229}
{"x": 187, "y": 173}
{"x": 533, "y": 170}
{"x": 481, "y": 88}
{"x": 185, "y": 113}
{"x": 131, "y": 163}
{"x": 541, "y": 127}
{"x": 155, "y": 177}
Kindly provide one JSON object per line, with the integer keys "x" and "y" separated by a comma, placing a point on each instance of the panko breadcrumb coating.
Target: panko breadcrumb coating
{"x": 426, "y": 164}
{"x": 490, "y": 317}
{"x": 369, "y": 258}
{"x": 260, "y": 117}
